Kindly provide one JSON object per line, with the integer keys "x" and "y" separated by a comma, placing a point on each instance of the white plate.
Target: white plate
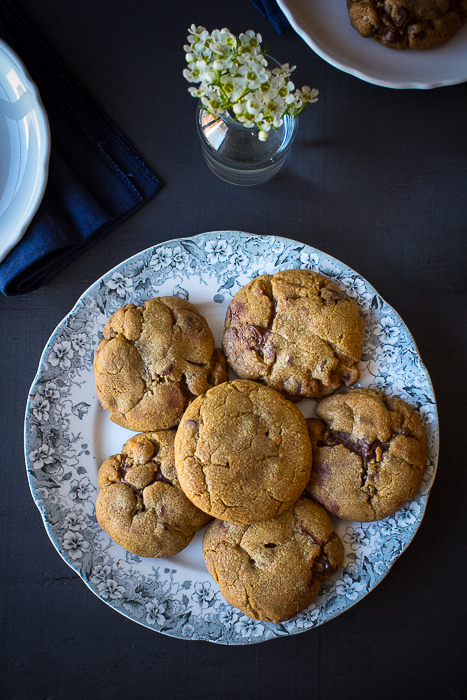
{"x": 68, "y": 435}
{"x": 325, "y": 26}
{"x": 24, "y": 149}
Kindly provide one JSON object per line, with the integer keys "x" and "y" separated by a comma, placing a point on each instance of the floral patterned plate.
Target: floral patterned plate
{"x": 68, "y": 435}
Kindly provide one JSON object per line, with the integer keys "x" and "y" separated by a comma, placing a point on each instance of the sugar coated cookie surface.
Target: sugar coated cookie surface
{"x": 242, "y": 452}
{"x": 140, "y": 503}
{"x": 153, "y": 360}
{"x": 369, "y": 454}
{"x": 296, "y": 333}
{"x": 273, "y": 570}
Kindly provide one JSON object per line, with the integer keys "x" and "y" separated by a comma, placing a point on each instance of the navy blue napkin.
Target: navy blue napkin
{"x": 271, "y": 10}
{"x": 96, "y": 179}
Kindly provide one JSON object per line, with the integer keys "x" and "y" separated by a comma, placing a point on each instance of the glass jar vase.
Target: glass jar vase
{"x": 235, "y": 153}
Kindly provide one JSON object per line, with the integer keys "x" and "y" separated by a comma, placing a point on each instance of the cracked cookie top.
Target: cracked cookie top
{"x": 403, "y": 24}
{"x": 140, "y": 503}
{"x": 294, "y": 332}
{"x": 153, "y": 360}
{"x": 369, "y": 454}
{"x": 242, "y": 452}
{"x": 273, "y": 570}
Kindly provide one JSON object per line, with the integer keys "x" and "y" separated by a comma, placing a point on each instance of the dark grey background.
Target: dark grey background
{"x": 377, "y": 178}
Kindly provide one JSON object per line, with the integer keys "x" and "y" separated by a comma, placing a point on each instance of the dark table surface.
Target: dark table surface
{"x": 377, "y": 178}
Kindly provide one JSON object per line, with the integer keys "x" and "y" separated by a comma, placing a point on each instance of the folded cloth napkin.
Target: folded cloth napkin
{"x": 271, "y": 10}
{"x": 96, "y": 179}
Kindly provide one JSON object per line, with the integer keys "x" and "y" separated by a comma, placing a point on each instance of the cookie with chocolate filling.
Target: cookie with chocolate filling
{"x": 242, "y": 452}
{"x": 369, "y": 454}
{"x": 295, "y": 332}
{"x": 403, "y": 24}
{"x": 273, "y": 570}
{"x": 153, "y": 360}
{"x": 140, "y": 503}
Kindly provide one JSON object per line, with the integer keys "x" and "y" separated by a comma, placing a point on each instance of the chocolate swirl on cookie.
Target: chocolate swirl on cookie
{"x": 369, "y": 454}
{"x": 295, "y": 332}
{"x": 274, "y": 569}
{"x": 140, "y": 503}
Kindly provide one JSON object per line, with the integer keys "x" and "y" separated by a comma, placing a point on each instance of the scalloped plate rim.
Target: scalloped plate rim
{"x": 38, "y": 373}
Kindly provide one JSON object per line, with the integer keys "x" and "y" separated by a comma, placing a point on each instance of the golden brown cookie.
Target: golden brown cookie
{"x": 153, "y": 360}
{"x": 369, "y": 454}
{"x": 140, "y": 503}
{"x": 242, "y": 452}
{"x": 273, "y": 570}
{"x": 294, "y": 332}
{"x": 403, "y": 24}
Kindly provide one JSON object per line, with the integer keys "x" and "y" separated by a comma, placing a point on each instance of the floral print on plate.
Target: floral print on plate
{"x": 68, "y": 435}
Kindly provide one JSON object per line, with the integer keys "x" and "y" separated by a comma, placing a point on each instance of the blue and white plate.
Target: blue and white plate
{"x": 68, "y": 435}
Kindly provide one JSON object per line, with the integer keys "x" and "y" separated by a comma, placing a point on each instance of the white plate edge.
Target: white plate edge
{"x": 249, "y": 641}
{"x": 366, "y": 77}
{"x": 42, "y": 174}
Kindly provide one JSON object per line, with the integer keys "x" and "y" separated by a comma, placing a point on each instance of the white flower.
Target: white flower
{"x": 251, "y": 39}
{"x": 179, "y": 257}
{"x": 40, "y": 408}
{"x": 386, "y": 330}
{"x": 80, "y": 342}
{"x": 246, "y": 627}
{"x": 409, "y": 515}
{"x": 307, "y": 94}
{"x": 74, "y": 522}
{"x": 389, "y": 527}
{"x": 228, "y": 616}
{"x": 218, "y": 251}
{"x": 253, "y": 107}
{"x": 232, "y": 74}
{"x": 155, "y": 612}
{"x": 238, "y": 259}
{"x": 356, "y": 537}
{"x": 110, "y": 589}
{"x": 42, "y": 456}
{"x": 389, "y": 354}
{"x": 100, "y": 573}
{"x": 305, "y": 620}
{"x": 80, "y": 489}
{"x": 120, "y": 284}
{"x": 203, "y": 594}
{"x": 355, "y": 286}
{"x": 61, "y": 355}
{"x": 308, "y": 260}
{"x": 75, "y": 544}
{"x": 348, "y": 587}
{"x": 162, "y": 257}
{"x": 49, "y": 390}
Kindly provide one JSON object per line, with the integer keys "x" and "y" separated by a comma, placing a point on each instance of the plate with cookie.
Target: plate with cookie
{"x": 401, "y": 44}
{"x": 231, "y": 437}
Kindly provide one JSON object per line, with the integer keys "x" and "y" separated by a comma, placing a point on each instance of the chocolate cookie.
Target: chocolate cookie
{"x": 369, "y": 454}
{"x": 273, "y": 570}
{"x": 403, "y": 24}
{"x": 242, "y": 452}
{"x": 140, "y": 503}
{"x": 294, "y": 332}
{"x": 153, "y": 360}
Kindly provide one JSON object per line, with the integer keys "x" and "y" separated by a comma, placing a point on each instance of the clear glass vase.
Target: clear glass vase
{"x": 236, "y": 154}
